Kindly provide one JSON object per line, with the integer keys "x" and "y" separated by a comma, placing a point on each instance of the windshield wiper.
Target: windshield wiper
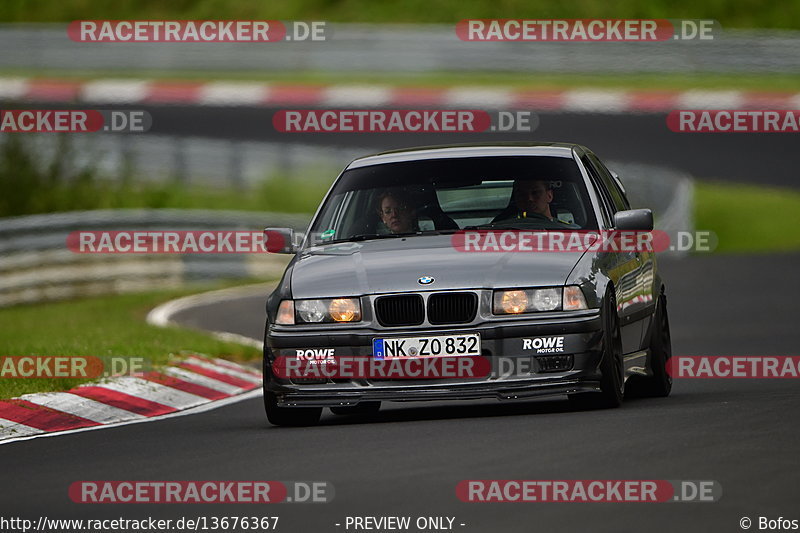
{"x": 371, "y": 236}
{"x": 367, "y": 236}
{"x": 496, "y": 225}
{"x": 438, "y": 232}
{"x": 513, "y": 227}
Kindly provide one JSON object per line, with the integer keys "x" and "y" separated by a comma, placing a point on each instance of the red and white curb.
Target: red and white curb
{"x": 195, "y": 383}
{"x": 132, "y": 91}
{"x": 192, "y": 384}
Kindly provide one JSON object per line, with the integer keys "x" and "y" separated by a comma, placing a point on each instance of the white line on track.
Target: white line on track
{"x": 162, "y": 315}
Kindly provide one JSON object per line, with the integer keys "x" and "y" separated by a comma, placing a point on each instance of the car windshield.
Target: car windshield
{"x": 446, "y": 195}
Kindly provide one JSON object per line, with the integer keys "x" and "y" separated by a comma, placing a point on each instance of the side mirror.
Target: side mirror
{"x": 282, "y": 240}
{"x": 634, "y": 220}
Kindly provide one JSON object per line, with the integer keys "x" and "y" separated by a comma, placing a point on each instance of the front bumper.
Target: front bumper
{"x": 506, "y": 343}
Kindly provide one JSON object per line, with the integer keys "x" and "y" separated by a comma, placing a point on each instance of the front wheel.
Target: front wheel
{"x": 289, "y": 416}
{"x": 612, "y": 370}
{"x": 286, "y": 416}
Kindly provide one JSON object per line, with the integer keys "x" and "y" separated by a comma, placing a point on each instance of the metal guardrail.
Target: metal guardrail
{"x": 36, "y": 265}
{"x": 191, "y": 160}
{"x": 404, "y": 48}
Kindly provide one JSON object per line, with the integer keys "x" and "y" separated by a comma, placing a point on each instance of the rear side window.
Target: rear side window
{"x": 617, "y": 196}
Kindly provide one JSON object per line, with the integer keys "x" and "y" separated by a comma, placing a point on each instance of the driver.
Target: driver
{"x": 531, "y": 199}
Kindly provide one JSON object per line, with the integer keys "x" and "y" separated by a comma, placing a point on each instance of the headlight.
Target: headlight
{"x": 328, "y": 310}
{"x": 285, "y": 313}
{"x": 516, "y": 301}
{"x": 511, "y": 302}
{"x": 574, "y": 299}
{"x": 311, "y": 310}
{"x": 546, "y": 299}
{"x": 345, "y": 310}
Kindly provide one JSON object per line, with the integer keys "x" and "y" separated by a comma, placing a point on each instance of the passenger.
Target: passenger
{"x": 396, "y": 212}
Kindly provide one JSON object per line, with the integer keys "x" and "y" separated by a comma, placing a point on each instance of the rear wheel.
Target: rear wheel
{"x": 363, "y": 408}
{"x": 612, "y": 380}
{"x": 660, "y": 383}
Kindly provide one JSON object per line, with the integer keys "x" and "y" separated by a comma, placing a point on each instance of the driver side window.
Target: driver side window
{"x": 606, "y": 204}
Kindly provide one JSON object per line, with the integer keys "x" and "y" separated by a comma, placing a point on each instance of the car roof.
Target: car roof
{"x": 495, "y": 149}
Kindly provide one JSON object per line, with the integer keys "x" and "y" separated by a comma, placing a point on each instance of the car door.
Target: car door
{"x": 626, "y": 272}
{"x": 644, "y": 299}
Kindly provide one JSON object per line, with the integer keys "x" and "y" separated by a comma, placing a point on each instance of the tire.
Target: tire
{"x": 363, "y": 408}
{"x": 289, "y": 416}
{"x": 286, "y": 416}
{"x": 612, "y": 379}
{"x": 659, "y": 385}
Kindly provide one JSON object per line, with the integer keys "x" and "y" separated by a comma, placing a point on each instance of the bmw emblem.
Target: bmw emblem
{"x": 425, "y": 280}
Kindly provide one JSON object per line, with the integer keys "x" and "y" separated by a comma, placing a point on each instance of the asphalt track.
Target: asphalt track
{"x": 408, "y": 459}
{"x": 756, "y": 158}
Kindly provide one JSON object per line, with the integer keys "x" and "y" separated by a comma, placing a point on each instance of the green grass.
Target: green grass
{"x": 102, "y": 326}
{"x": 729, "y": 211}
{"x": 730, "y": 13}
{"x": 506, "y": 80}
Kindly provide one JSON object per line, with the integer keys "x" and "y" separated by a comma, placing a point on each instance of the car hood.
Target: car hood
{"x": 396, "y": 264}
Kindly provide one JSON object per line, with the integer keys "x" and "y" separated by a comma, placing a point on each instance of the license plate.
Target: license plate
{"x": 438, "y": 346}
